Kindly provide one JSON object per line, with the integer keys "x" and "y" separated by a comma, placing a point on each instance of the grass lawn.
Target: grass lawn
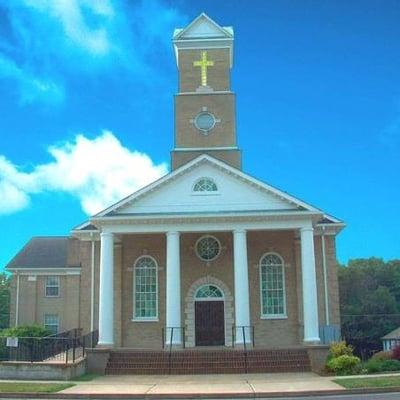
{"x": 365, "y": 383}
{"x": 22, "y": 387}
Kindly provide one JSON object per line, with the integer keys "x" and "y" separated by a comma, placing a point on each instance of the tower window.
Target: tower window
{"x": 205, "y": 185}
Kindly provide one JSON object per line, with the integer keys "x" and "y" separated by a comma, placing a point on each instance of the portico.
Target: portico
{"x": 174, "y": 298}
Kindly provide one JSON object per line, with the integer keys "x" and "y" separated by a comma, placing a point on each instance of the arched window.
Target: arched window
{"x": 210, "y": 292}
{"x": 205, "y": 185}
{"x": 145, "y": 289}
{"x": 272, "y": 286}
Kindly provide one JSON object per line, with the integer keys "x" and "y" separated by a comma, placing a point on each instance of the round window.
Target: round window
{"x": 204, "y": 121}
{"x": 208, "y": 248}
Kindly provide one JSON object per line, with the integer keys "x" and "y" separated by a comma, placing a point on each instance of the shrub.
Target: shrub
{"x": 390, "y": 365}
{"x": 374, "y": 365}
{"x": 396, "y": 352}
{"x": 338, "y": 349}
{"x": 25, "y": 331}
{"x": 383, "y": 355}
{"x": 344, "y": 364}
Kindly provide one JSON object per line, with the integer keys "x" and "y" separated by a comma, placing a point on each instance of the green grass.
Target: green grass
{"x": 85, "y": 377}
{"x": 22, "y": 387}
{"x": 366, "y": 383}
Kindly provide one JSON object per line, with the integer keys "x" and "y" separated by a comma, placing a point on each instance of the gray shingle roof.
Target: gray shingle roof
{"x": 395, "y": 334}
{"x": 42, "y": 252}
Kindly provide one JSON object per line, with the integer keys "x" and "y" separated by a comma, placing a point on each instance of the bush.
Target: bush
{"x": 396, "y": 352}
{"x": 338, "y": 349}
{"x": 390, "y": 365}
{"x": 25, "y": 331}
{"x": 373, "y": 365}
{"x": 344, "y": 364}
{"x": 383, "y": 355}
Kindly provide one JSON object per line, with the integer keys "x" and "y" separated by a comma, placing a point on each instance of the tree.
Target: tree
{"x": 4, "y": 300}
{"x": 369, "y": 302}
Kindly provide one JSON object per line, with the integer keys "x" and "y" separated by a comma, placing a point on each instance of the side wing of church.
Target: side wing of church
{"x": 205, "y": 256}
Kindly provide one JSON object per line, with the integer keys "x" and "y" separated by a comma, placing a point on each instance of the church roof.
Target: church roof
{"x": 42, "y": 252}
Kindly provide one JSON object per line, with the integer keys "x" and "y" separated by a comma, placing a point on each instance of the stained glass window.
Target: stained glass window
{"x": 272, "y": 283}
{"x": 208, "y": 291}
{"x": 208, "y": 248}
{"x": 146, "y": 288}
{"x": 205, "y": 185}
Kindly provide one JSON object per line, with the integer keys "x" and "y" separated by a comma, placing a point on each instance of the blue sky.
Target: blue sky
{"x": 86, "y": 108}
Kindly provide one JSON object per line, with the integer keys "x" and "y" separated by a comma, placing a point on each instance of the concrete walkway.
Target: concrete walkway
{"x": 244, "y": 384}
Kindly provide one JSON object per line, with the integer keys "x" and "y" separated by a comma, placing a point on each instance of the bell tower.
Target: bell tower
{"x": 204, "y": 105}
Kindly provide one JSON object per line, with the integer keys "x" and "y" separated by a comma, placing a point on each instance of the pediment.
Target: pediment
{"x": 203, "y": 27}
{"x": 236, "y": 192}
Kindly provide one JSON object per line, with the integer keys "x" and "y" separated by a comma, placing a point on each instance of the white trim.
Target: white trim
{"x": 324, "y": 268}
{"x": 134, "y": 317}
{"x": 208, "y": 93}
{"x": 203, "y": 15}
{"x": 183, "y": 149}
{"x": 58, "y": 321}
{"x": 209, "y": 298}
{"x": 219, "y": 248}
{"x": 205, "y": 158}
{"x": 92, "y": 285}
{"x": 17, "y": 302}
{"x": 45, "y": 271}
{"x": 58, "y": 286}
{"x": 273, "y": 316}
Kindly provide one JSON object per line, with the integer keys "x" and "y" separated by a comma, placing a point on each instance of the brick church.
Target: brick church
{"x": 206, "y": 256}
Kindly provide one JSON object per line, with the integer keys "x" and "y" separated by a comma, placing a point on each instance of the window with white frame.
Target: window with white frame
{"x": 272, "y": 286}
{"x": 145, "y": 289}
{"x": 52, "y": 286}
{"x": 51, "y": 322}
{"x": 205, "y": 185}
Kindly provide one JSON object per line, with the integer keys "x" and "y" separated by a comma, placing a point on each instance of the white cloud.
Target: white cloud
{"x": 49, "y": 40}
{"x": 98, "y": 172}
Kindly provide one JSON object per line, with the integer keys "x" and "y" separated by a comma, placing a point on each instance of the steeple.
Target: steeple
{"x": 204, "y": 105}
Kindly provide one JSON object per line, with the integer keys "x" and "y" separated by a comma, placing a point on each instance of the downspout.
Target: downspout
{"x": 327, "y": 316}
{"x": 17, "y": 302}
{"x": 92, "y": 288}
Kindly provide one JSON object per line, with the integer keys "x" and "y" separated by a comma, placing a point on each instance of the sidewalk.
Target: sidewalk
{"x": 243, "y": 384}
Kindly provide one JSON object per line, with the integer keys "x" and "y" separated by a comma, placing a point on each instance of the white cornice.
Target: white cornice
{"x": 45, "y": 271}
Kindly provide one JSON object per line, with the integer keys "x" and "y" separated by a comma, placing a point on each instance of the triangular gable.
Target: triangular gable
{"x": 203, "y": 27}
{"x": 236, "y": 188}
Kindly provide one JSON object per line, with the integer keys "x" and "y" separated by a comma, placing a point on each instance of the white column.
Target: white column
{"x": 241, "y": 277}
{"x": 173, "y": 290}
{"x": 310, "y": 300}
{"x": 106, "y": 293}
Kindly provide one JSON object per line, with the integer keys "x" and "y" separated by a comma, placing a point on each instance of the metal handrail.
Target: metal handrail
{"x": 243, "y": 328}
{"x": 164, "y": 331}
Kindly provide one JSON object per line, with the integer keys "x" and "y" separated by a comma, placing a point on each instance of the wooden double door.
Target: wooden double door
{"x": 209, "y": 323}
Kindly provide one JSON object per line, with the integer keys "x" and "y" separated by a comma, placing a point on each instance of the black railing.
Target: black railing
{"x": 167, "y": 334}
{"x": 55, "y": 348}
{"x": 242, "y": 330}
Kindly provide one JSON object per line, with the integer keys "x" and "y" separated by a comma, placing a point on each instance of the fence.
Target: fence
{"x": 66, "y": 348}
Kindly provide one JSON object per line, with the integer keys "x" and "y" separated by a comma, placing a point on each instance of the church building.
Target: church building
{"x": 207, "y": 255}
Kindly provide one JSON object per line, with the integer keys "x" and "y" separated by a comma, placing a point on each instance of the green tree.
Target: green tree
{"x": 4, "y": 300}
{"x": 369, "y": 302}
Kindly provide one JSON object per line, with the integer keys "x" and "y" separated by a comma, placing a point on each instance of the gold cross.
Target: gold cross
{"x": 203, "y": 64}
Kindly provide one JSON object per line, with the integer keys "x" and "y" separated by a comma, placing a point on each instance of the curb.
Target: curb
{"x": 310, "y": 393}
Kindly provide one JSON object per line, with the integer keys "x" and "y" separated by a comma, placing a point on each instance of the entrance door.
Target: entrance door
{"x": 209, "y": 323}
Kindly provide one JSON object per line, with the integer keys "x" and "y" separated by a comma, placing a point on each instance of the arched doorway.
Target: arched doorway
{"x": 209, "y": 316}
